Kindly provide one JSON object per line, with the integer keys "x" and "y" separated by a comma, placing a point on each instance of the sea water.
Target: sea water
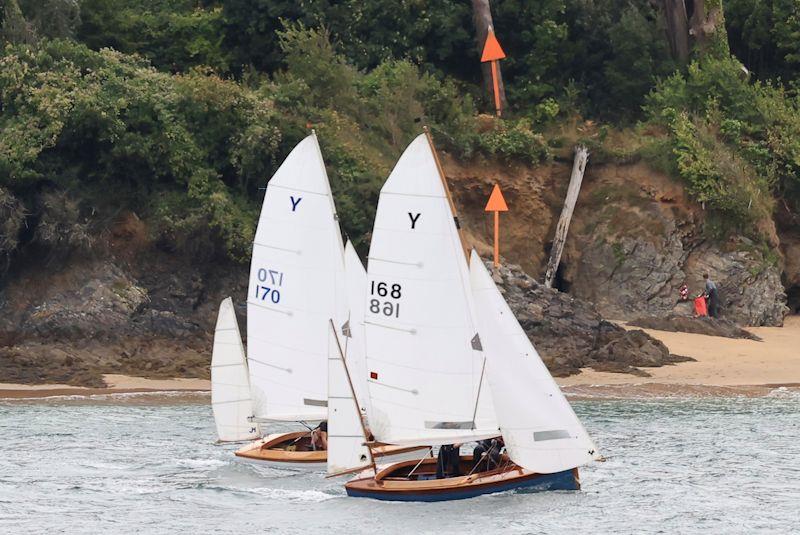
{"x": 149, "y": 465}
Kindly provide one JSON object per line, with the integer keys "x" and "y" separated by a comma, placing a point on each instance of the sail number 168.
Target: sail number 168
{"x": 387, "y": 308}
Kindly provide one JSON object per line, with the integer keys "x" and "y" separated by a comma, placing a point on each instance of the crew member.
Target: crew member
{"x": 319, "y": 436}
{"x": 712, "y": 295}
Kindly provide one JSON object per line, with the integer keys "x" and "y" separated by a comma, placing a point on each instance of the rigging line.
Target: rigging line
{"x": 478, "y": 397}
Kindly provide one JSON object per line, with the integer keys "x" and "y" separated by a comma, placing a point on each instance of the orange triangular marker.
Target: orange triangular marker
{"x": 496, "y": 201}
{"x": 491, "y": 49}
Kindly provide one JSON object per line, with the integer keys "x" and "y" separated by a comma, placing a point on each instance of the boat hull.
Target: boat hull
{"x": 271, "y": 450}
{"x": 388, "y": 488}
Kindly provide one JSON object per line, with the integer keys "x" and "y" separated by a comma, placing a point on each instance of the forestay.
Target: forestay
{"x": 422, "y": 349}
{"x": 230, "y": 386}
{"x": 540, "y": 429}
{"x": 296, "y": 286}
{"x": 346, "y": 450}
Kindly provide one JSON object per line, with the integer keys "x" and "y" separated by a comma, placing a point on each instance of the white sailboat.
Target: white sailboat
{"x": 427, "y": 361}
{"x": 231, "y": 400}
{"x": 348, "y": 406}
{"x": 423, "y": 353}
{"x": 296, "y": 286}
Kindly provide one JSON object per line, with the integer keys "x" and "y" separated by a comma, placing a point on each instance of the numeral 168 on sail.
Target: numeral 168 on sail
{"x": 387, "y": 291}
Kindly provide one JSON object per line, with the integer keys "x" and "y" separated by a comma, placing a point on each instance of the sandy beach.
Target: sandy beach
{"x": 724, "y": 366}
{"x": 117, "y": 384}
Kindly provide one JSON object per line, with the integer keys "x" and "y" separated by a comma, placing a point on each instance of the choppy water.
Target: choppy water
{"x": 674, "y": 466}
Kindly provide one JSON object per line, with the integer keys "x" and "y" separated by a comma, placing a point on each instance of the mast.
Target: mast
{"x": 357, "y": 407}
{"x": 447, "y": 192}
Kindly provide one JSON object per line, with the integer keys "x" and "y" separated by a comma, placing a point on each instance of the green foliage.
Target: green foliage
{"x": 435, "y": 34}
{"x": 174, "y": 35}
{"x": 764, "y": 35}
{"x": 734, "y": 142}
{"x": 12, "y": 216}
{"x": 90, "y": 123}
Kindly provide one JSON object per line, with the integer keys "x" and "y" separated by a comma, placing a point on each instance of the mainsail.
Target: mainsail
{"x": 423, "y": 352}
{"x": 230, "y": 386}
{"x": 540, "y": 429}
{"x": 296, "y": 286}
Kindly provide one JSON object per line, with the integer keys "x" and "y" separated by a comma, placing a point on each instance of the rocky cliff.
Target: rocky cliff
{"x": 635, "y": 239}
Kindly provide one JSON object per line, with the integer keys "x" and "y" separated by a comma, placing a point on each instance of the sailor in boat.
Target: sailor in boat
{"x": 319, "y": 436}
{"x": 486, "y": 455}
{"x": 448, "y": 463}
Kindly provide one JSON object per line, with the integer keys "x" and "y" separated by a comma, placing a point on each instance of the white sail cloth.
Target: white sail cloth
{"x": 296, "y": 286}
{"x": 230, "y": 387}
{"x": 540, "y": 429}
{"x": 346, "y": 450}
{"x": 353, "y": 340}
{"x": 422, "y": 350}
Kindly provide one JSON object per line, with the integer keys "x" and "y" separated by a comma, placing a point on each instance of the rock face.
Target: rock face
{"x": 695, "y": 325}
{"x": 635, "y": 238}
{"x": 569, "y": 334}
{"x": 129, "y": 309}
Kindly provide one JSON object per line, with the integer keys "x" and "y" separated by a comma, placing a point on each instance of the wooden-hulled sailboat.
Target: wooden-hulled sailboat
{"x": 348, "y": 400}
{"x": 231, "y": 400}
{"x": 428, "y": 364}
{"x": 296, "y": 284}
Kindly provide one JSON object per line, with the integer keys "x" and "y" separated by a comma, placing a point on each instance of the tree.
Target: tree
{"x": 482, "y": 16}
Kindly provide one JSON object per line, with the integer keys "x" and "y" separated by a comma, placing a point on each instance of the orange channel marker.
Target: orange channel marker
{"x": 496, "y": 204}
{"x": 492, "y": 51}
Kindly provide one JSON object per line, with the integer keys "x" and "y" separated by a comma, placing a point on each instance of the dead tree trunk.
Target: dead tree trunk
{"x": 575, "y": 180}
{"x": 677, "y": 29}
{"x": 707, "y": 28}
{"x": 482, "y": 16}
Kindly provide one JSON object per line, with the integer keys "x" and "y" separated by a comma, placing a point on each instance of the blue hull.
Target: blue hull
{"x": 565, "y": 480}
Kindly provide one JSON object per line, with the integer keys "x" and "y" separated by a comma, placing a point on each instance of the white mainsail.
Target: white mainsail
{"x": 346, "y": 450}
{"x": 231, "y": 401}
{"x": 296, "y": 286}
{"x": 540, "y": 429}
{"x": 422, "y": 349}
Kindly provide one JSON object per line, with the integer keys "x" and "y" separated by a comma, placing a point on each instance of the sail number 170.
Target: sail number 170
{"x": 388, "y": 307}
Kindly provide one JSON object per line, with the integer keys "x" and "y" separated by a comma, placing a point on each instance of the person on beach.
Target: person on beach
{"x": 712, "y": 295}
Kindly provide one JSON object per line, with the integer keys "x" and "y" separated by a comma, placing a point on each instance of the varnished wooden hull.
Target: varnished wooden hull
{"x": 271, "y": 449}
{"x": 389, "y": 484}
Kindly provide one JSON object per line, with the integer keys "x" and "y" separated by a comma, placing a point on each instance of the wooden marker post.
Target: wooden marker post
{"x": 496, "y": 204}
{"x": 493, "y": 52}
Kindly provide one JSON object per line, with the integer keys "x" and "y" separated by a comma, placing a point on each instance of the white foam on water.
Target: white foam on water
{"x": 292, "y": 495}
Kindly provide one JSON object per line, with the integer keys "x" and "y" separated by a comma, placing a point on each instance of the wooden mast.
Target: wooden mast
{"x": 439, "y": 168}
{"x": 355, "y": 402}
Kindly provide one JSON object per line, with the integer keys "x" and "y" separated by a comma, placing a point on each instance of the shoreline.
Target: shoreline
{"x": 723, "y": 367}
